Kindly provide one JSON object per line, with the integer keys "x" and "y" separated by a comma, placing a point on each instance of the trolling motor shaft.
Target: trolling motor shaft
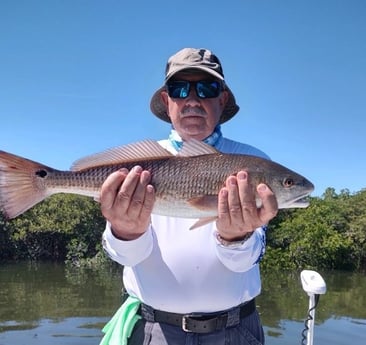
{"x": 314, "y": 285}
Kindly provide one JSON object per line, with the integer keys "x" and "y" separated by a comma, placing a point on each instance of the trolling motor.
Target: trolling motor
{"x": 314, "y": 285}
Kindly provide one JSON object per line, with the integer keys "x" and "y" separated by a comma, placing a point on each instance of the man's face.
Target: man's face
{"x": 193, "y": 117}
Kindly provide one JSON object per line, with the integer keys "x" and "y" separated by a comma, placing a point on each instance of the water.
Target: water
{"x": 47, "y": 304}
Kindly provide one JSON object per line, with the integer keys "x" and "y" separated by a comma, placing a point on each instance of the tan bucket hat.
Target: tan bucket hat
{"x": 199, "y": 59}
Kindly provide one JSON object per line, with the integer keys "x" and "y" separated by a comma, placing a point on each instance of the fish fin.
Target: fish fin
{"x": 193, "y": 147}
{"x": 202, "y": 222}
{"x": 204, "y": 202}
{"x": 19, "y": 190}
{"x": 142, "y": 150}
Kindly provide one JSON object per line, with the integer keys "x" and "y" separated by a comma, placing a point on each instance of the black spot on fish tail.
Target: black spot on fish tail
{"x": 41, "y": 173}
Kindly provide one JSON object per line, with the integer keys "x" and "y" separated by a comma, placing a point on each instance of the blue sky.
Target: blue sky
{"x": 76, "y": 77}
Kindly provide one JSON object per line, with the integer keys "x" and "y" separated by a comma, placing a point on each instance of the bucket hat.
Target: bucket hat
{"x": 193, "y": 59}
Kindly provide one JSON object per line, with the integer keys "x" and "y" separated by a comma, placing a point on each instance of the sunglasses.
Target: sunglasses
{"x": 204, "y": 88}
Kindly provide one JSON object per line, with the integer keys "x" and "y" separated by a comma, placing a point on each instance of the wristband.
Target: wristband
{"x": 233, "y": 244}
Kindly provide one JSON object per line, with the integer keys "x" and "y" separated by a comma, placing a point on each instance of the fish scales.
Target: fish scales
{"x": 172, "y": 179}
{"x": 191, "y": 185}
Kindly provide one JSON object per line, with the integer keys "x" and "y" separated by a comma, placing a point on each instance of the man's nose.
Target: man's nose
{"x": 192, "y": 97}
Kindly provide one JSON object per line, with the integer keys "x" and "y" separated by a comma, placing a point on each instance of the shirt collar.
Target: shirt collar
{"x": 213, "y": 139}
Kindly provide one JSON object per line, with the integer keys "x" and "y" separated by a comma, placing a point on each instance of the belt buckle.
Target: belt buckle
{"x": 184, "y": 324}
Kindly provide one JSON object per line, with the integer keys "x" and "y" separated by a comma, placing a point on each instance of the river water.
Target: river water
{"x": 49, "y": 304}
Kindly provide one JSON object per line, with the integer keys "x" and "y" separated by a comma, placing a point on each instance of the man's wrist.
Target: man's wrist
{"x": 234, "y": 242}
{"x": 125, "y": 237}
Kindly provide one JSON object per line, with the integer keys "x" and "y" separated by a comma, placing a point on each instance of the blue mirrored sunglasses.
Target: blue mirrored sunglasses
{"x": 204, "y": 88}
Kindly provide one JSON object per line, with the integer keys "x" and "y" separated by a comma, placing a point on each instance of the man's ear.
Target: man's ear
{"x": 164, "y": 97}
{"x": 224, "y": 97}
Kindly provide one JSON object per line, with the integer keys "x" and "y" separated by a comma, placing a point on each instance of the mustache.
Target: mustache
{"x": 188, "y": 110}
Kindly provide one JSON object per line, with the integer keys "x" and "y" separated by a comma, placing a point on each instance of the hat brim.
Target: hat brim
{"x": 205, "y": 69}
{"x": 158, "y": 107}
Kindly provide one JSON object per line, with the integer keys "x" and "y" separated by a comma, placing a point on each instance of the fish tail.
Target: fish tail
{"x": 21, "y": 184}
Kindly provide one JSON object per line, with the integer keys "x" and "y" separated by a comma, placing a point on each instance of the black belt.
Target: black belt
{"x": 200, "y": 322}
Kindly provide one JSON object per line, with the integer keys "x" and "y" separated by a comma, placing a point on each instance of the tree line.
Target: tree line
{"x": 329, "y": 234}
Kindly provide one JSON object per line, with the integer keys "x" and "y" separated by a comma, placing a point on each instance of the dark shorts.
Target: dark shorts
{"x": 248, "y": 331}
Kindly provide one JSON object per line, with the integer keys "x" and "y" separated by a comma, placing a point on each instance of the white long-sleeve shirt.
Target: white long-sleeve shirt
{"x": 175, "y": 269}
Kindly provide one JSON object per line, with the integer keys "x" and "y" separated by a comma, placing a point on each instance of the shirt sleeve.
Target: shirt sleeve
{"x": 127, "y": 253}
{"x": 244, "y": 256}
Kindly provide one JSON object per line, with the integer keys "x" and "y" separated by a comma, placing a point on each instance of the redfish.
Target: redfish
{"x": 186, "y": 184}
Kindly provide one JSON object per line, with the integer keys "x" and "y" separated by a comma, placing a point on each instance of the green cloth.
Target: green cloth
{"x": 119, "y": 328}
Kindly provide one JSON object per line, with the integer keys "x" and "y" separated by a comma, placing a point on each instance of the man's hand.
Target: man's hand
{"x": 127, "y": 200}
{"x": 238, "y": 213}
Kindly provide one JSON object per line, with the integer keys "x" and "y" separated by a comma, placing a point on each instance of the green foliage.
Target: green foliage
{"x": 62, "y": 227}
{"x": 330, "y": 233}
{"x": 7, "y": 245}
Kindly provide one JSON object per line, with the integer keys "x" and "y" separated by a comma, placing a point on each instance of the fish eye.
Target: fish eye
{"x": 288, "y": 182}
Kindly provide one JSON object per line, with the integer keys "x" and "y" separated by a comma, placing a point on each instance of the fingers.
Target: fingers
{"x": 223, "y": 217}
{"x": 110, "y": 188}
{"x": 128, "y": 191}
{"x": 247, "y": 201}
{"x": 131, "y": 196}
{"x": 127, "y": 200}
{"x": 141, "y": 198}
{"x": 237, "y": 204}
{"x": 269, "y": 207}
{"x": 238, "y": 213}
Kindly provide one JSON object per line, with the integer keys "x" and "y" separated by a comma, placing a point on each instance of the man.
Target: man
{"x": 191, "y": 287}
